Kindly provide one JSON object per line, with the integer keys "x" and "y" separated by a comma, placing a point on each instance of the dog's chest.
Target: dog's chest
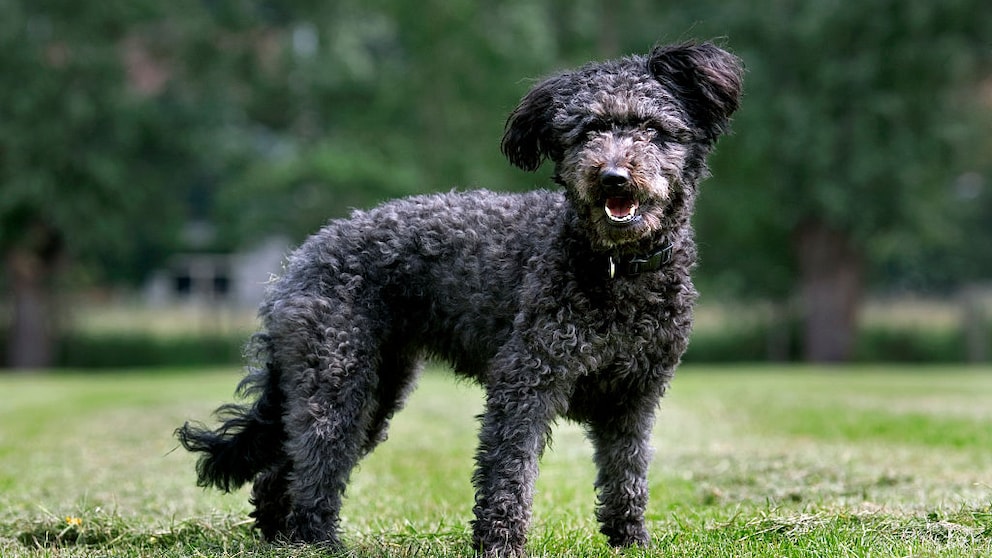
{"x": 641, "y": 332}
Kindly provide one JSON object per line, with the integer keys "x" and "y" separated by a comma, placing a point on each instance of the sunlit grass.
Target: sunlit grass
{"x": 167, "y": 320}
{"x": 758, "y": 461}
{"x": 177, "y": 319}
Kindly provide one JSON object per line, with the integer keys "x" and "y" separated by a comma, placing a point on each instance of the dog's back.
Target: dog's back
{"x": 442, "y": 272}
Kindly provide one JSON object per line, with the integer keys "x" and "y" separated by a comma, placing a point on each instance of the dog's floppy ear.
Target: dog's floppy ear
{"x": 707, "y": 79}
{"x": 528, "y": 137}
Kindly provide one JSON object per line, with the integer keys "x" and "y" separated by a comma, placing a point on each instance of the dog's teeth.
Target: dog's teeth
{"x": 631, "y": 213}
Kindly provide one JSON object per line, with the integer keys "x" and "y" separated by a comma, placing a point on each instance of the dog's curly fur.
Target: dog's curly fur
{"x": 513, "y": 290}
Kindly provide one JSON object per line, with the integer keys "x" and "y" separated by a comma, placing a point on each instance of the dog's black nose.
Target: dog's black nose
{"x": 613, "y": 176}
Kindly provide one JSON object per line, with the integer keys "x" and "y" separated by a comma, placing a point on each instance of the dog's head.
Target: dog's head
{"x": 628, "y": 137}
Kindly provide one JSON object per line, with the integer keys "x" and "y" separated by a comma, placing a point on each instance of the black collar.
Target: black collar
{"x": 632, "y": 265}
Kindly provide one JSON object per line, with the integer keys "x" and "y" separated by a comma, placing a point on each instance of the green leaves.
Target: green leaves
{"x": 862, "y": 114}
{"x": 854, "y": 115}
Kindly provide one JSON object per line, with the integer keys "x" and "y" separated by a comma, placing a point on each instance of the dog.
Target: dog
{"x": 572, "y": 303}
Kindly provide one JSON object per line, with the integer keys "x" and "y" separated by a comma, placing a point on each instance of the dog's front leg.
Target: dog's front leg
{"x": 623, "y": 454}
{"x": 513, "y": 435}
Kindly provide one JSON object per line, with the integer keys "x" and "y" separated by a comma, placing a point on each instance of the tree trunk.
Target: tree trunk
{"x": 778, "y": 343}
{"x": 31, "y": 268}
{"x": 975, "y": 322}
{"x": 831, "y": 272}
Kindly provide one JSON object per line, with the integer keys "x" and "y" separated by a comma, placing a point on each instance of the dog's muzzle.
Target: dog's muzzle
{"x": 620, "y": 205}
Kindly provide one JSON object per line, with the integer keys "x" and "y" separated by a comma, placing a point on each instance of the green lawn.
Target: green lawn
{"x": 753, "y": 461}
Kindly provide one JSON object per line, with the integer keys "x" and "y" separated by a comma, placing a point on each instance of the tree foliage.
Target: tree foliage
{"x": 862, "y": 115}
{"x": 121, "y": 121}
{"x": 102, "y": 128}
{"x": 859, "y": 119}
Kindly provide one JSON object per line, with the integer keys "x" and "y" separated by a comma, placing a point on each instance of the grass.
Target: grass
{"x": 753, "y": 462}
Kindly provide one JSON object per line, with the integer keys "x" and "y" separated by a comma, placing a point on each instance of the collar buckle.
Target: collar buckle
{"x": 637, "y": 265}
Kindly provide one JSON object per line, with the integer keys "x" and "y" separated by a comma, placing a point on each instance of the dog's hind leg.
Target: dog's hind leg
{"x": 328, "y": 425}
{"x": 271, "y": 500}
{"x": 331, "y": 356}
{"x": 398, "y": 372}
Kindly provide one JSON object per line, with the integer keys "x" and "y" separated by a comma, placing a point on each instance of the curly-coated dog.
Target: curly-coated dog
{"x": 574, "y": 303}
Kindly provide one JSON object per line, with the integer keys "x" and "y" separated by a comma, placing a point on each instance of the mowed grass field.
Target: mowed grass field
{"x": 750, "y": 461}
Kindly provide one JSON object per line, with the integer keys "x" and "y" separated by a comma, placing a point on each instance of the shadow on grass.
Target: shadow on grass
{"x": 105, "y": 535}
{"x": 114, "y": 534}
{"x": 768, "y": 532}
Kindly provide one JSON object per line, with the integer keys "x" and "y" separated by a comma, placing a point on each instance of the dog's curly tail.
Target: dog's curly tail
{"x": 250, "y": 438}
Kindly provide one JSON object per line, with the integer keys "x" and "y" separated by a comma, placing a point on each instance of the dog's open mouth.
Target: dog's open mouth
{"x": 621, "y": 209}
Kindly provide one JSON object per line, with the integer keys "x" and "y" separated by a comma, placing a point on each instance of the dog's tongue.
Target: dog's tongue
{"x": 620, "y": 207}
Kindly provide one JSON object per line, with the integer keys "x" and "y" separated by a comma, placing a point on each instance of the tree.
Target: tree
{"x": 373, "y": 101}
{"x": 854, "y": 119}
{"x": 98, "y": 148}
{"x": 127, "y": 119}
{"x": 854, "y": 123}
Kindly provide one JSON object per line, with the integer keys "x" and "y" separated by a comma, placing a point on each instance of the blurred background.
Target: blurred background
{"x": 158, "y": 159}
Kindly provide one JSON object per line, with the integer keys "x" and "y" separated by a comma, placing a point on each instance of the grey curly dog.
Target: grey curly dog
{"x": 573, "y": 303}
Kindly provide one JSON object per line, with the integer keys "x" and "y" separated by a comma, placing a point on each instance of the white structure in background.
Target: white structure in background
{"x": 204, "y": 279}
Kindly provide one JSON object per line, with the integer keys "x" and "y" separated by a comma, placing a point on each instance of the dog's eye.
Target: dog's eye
{"x": 595, "y": 127}
{"x": 654, "y": 129}
{"x": 658, "y": 134}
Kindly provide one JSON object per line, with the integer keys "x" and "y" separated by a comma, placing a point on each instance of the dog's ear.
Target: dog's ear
{"x": 528, "y": 137}
{"x": 707, "y": 78}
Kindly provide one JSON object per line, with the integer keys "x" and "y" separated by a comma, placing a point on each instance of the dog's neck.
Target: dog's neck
{"x": 645, "y": 256}
{"x": 630, "y": 265}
